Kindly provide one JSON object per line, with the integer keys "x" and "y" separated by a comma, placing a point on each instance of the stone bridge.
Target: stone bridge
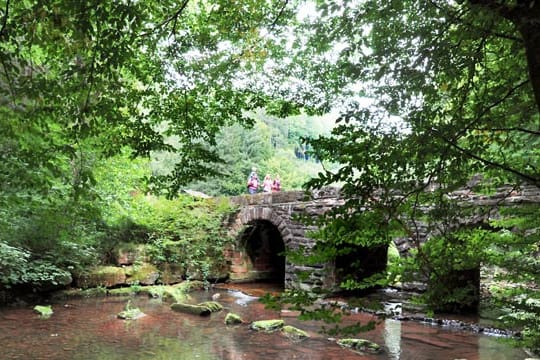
{"x": 266, "y": 225}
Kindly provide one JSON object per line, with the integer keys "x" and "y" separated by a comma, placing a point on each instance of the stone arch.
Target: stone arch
{"x": 249, "y": 214}
{"x": 261, "y": 239}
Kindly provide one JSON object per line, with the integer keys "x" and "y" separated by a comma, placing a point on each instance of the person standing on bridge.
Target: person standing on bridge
{"x": 276, "y": 184}
{"x": 252, "y": 173}
{"x": 267, "y": 184}
{"x": 253, "y": 181}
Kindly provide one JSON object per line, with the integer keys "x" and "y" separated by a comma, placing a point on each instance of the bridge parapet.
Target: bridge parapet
{"x": 283, "y": 197}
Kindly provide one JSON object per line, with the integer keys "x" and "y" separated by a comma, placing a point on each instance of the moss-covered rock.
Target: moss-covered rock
{"x": 129, "y": 253}
{"x": 190, "y": 285}
{"x": 172, "y": 293}
{"x": 203, "y": 309}
{"x": 191, "y": 309}
{"x": 267, "y": 325}
{"x": 106, "y": 276}
{"x": 124, "y": 291}
{"x": 233, "y": 319}
{"x": 171, "y": 273}
{"x": 130, "y": 313}
{"x": 166, "y": 293}
{"x": 44, "y": 311}
{"x": 360, "y": 345}
{"x": 213, "y": 306}
{"x": 144, "y": 274}
{"x": 79, "y": 293}
{"x": 294, "y": 333}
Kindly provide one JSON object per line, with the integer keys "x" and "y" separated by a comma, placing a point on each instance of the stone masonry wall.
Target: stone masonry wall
{"x": 281, "y": 208}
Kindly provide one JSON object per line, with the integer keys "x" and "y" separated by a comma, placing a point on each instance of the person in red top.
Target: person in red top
{"x": 276, "y": 184}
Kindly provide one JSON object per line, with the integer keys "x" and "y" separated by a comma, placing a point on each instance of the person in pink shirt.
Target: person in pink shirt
{"x": 267, "y": 184}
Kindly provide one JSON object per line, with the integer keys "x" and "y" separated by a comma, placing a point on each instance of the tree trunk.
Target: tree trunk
{"x": 525, "y": 15}
{"x": 530, "y": 30}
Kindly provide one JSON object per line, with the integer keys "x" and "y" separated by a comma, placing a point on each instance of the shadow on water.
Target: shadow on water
{"x": 89, "y": 329}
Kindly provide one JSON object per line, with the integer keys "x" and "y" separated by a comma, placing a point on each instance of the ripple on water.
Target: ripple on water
{"x": 88, "y": 329}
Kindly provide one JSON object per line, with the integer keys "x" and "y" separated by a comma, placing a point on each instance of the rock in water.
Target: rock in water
{"x": 267, "y": 325}
{"x": 45, "y": 311}
{"x": 191, "y": 309}
{"x": 213, "y": 306}
{"x": 130, "y": 313}
{"x": 233, "y": 319}
{"x": 360, "y": 345}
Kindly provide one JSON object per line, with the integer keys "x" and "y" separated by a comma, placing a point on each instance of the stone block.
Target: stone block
{"x": 144, "y": 274}
{"x": 106, "y": 276}
{"x": 128, "y": 254}
{"x": 171, "y": 274}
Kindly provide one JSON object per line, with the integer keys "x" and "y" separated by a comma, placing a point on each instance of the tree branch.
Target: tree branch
{"x": 4, "y": 20}
{"x": 532, "y": 179}
{"x": 505, "y": 11}
{"x": 491, "y": 106}
{"x": 274, "y": 23}
{"x": 174, "y": 18}
{"x": 485, "y": 31}
{"x": 8, "y": 79}
{"x": 518, "y": 129}
{"x": 176, "y": 15}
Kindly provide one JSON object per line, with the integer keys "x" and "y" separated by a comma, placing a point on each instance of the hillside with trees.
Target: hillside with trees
{"x": 275, "y": 146}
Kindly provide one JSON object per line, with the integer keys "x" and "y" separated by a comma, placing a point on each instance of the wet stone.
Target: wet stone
{"x": 267, "y": 325}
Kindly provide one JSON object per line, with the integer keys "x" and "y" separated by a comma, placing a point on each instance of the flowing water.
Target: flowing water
{"x": 89, "y": 329}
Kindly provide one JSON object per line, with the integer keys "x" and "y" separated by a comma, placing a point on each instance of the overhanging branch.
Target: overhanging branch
{"x": 279, "y": 14}
{"x": 173, "y": 18}
{"x": 529, "y": 178}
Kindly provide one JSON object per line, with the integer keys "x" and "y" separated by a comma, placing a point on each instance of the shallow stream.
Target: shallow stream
{"x": 89, "y": 329}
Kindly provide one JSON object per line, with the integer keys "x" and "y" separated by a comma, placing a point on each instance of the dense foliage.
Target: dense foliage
{"x": 87, "y": 80}
{"x": 452, "y": 92}
{"x": 431, "y": 93}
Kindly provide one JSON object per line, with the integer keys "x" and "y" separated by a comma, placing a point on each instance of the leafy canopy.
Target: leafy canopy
{"x": 433, "y": 94}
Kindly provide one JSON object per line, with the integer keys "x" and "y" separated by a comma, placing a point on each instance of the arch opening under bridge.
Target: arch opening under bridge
{"x": 263, "y": 251}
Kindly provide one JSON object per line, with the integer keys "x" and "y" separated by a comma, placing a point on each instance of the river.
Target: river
{"x": 89, "y": 329}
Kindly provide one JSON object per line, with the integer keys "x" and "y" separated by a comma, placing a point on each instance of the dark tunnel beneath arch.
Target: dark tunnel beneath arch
{"x": 358, "y": 263}
{"x": 265, "y": 249}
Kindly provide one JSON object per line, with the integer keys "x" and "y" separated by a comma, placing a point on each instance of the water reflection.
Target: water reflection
{"x": 89, "y": 329}
{"x": 392, "y": 338}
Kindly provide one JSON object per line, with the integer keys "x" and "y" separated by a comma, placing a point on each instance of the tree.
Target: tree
{"x": 118, "y": 74}
{"x": 453, "y": 92}
{"x": 85, "y": 80}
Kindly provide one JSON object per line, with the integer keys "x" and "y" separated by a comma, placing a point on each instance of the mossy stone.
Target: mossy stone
{"x": 165, "y": 293}
{"x": 191, "y": 309}
{"x": 144, "y": 274}
{"x": 233, "y": 319}
{"x": 267, "y": 325}
{"x": 361, "y": 345}
{"x": 107, "y": 276}
{"x": 44, "y": 311}
{"x": 294, "y": 333}
{"x": 213, "y": 306}
{"x": 125, "y": 291}
{"x": 130, "y": 313}
{"x": 171, "y": 273}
